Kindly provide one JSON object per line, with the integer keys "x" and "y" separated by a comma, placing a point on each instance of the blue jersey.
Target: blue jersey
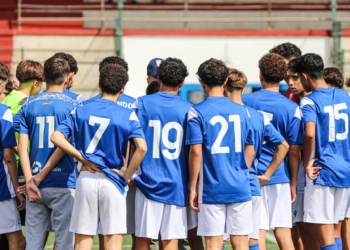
{"x": 77, "y": 97}
{"x": 223, "y": 128}
{"x": 329, "y": 109}
{"x": 285, "y": 116}
{"x": 8, "y": 140}
{"x": 124, "y": 100}
{"x": 100, "y": 131}
{"x": 262, "y": 131}
{"x": 40, "y": 116}
{"x": 164, "y": 170}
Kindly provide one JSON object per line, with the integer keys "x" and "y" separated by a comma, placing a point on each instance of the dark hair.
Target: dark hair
{"x": 311, "y": 64}
{"x": 172, "y": 72}
{"x": 286, "y": 50}
{"x": 272, "y": 67}
{"x": 153, "y": 87}
{"x": 29, "y": 70}
{"x": 56, "y": 70}
{"x": 292, "y": 65}
{"x": 347, "y": 82}
{"x": 73, "y": 65}
{"x": 114, "y": 60}
{"x": 213, "y": 72}
{"x": 113, "y": 78}
{"x": 236, "y": 80}
{"x": 9, "y": 86}
{"x": 4, "y": 72}
{"x": 333, "y": 77}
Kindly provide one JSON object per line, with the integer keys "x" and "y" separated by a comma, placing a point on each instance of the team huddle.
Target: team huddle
{"x": 158, "y": 167}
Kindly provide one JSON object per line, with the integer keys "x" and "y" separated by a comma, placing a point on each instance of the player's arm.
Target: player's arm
{"x": 195, "y": 161}
{"x": 309, "y": 142}
{"x": 249, "y": 155}
{"x": 9, "y": 157}
{"x": 294, "y": 163}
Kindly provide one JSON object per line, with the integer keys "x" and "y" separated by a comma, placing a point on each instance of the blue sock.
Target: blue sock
{"x": 329, "y": 247}
{"x": 223, "y": 246}
{"x": 254, "y": 246}
{"x": 339, "y": 243}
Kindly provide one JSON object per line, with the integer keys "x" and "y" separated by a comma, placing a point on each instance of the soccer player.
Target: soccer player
{"x": 333, "y": 77}
{"x": 221, "y": 152}
{"x": 152, "y": 69}
{"x": 284, "y": 115}
{"x": 262, "y": 131}
{"x": 289, "y": 52}
{"x": 326, "y": 117}
{"x": 40, "y": 116}
{"x": 162, "y": 183}
{"x": 10, "y": 223}
{"x": 107, "y": 127}
{"x": 306, "y": 231}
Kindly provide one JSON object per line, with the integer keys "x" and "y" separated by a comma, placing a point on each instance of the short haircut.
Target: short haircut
{"x": 292, "y": 65}
{"x": 9, "y": 86}
{"x": 213, "y": 72}
{"x": 73, "y": 65}
{"x": 347, "y": 82}
{"x": 4, "y": 72}
{"x": 29, "y": 70}
{"x": 272, "y": 67}
{"x": 153, "y": 87}
{"x": 114, "y": 60}
{"x": 286, "y": 50}
{"x": 236, "y": 80}
{"x": 311, "y": 64}
{"x": 172, "y": 72}
{"x": 56, "y": 70}
{"x": 333, "y": 77}
{"x": 113, "y": 78}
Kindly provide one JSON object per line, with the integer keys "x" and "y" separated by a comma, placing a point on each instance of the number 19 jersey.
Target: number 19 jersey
{"x": 223, "y": 128}
{"x": 329, "y": 109}
{"x": 164, "y": 169}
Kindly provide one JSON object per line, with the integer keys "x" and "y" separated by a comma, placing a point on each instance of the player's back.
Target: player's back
{"x": 78, "y": 97}
{"x": 329, "y": 109}
{"x": 40, "y": 116}
{"x": 164, "y": 176}
{"x": 285, "y": 116}
{"x": 223, "y": 128}
{"x": 124, "y": 100}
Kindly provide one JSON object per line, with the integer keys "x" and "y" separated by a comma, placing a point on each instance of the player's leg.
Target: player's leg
{"x": 264, "y": 218}
{"x": 16, "y": 240}
{"x": 345, "y": 233}
{"x": 341, "y": 199}
{"x": 337, "y": 235}
{"x": 284, "y": 238}
{"x": 130, "y": 214}
{"x": 213, "y": 242}
{"x": 113, "y": 242}
{"x": 194, "y": 240}
{"x": 148, "y": 218}
{"x": 256, "y": 213}
{"x": 297, "y": 217}
{"x": 308, "y": 236}
{"x": 238, "y": 223}
{"x": 83, "y": 242}
{"x": 297, "y": 242}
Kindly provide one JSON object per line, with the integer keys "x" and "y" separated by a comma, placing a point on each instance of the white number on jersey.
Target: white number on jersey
{"x": 334, "y": 114}
{"x": 50, "y": 120}
{"x": 217, "y": 148}
{"x": 173, "y": 146}
{"x": 97, "y": 137}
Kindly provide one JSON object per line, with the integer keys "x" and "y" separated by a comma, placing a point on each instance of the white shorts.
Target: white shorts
{"x": 130, "y": 210}
{"x": 10, "y": 220}
{"x": 192, "y": 218}
{"x": 325, "y": 205}
{"x": 154, "y": 218}
{"x": 347, "y": 209}
{"x": 217, "y": 219}
{"x": 97, "y": 199}
{"x": 256, "y": 213}
{"x": 298, "y": 209}
{"x": 276, "y": 209}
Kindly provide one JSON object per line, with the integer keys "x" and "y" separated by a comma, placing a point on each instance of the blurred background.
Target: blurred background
{"x": 237, "y": 32}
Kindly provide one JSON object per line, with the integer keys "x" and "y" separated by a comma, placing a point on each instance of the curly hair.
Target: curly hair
{"x": 347, "y": 82}
{"x": 73, "y": 65}
{"x": 286, "y": 50}
{"x": 9, "y": 86}
{"x": 333, "y": 77}
{"x": 114, "y": 60}
{"x": 113, "y": 78}
{"x": 153, "y": 87}
{"x": 236, "y": 80}
{"x": 4, "y": 72}
{"x": 29, "y": 70}
{"x": 172, "y": 72}
{"x": 311, "y": 64}
{"x": 272, "y": 67}
{"x": 213, "y": 72}
{"x": 56, "y": 70}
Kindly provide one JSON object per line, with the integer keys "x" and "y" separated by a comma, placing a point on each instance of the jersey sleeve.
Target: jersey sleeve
{"x": 250, "y": 136}
{"x": 17, "y": 120}
{"x": 8, "y": 139}
{"x": 135, "y": 129}
{"x": 295, "y": 129}
{"x": 194, "y": 133}
{"x": 67, "y": 126}
{"x": 308, "y": 110}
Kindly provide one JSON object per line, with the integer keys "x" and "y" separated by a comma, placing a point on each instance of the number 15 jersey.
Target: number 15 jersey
{"x": 329, "y": 109}
{"x": 164, "y": 169}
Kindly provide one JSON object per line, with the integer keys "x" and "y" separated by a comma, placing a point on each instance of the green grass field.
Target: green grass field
{"x": 127, "y": 243}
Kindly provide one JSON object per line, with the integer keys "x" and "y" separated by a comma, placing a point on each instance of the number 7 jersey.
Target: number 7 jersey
{"x": 329, "y": 109}
{"x": 164, "y": 170}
